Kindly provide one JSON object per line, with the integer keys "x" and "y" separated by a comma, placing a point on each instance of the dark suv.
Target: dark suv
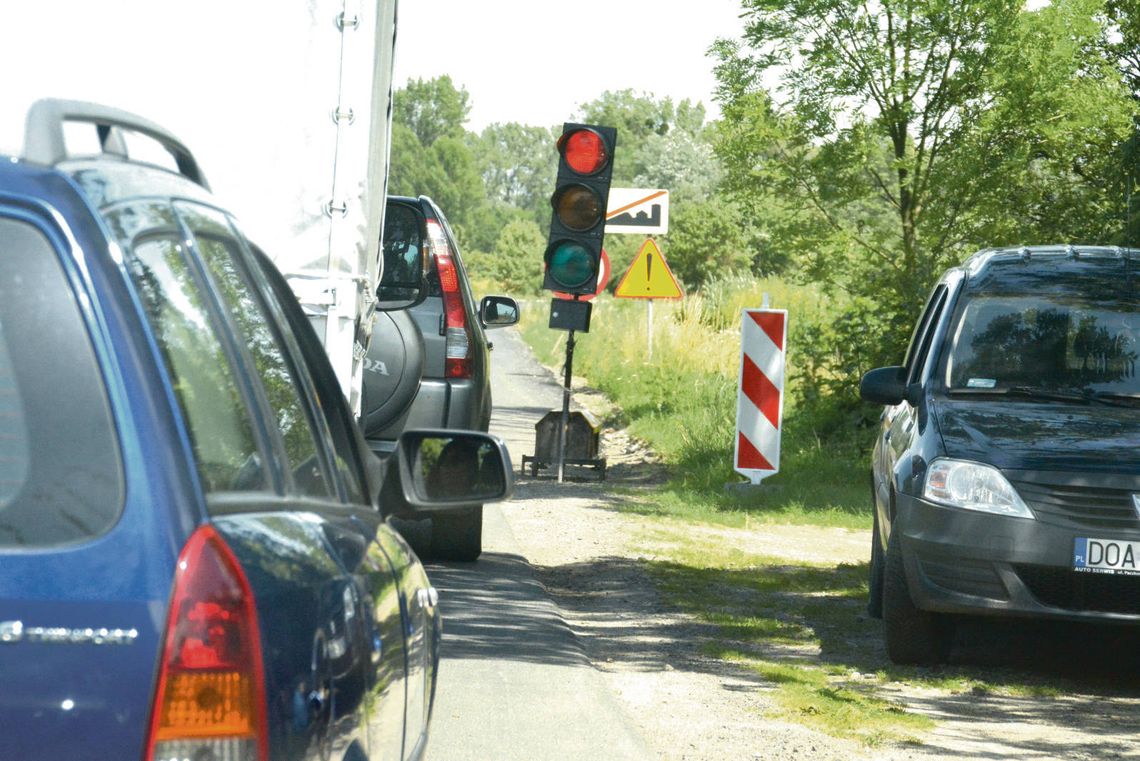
{"x": 194, "y": 562}
{"x": 1006, "y": 475}
{"x": 430, "y": 367}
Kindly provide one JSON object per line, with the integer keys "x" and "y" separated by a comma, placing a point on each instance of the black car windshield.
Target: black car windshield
{"x": 1048, "y": 342}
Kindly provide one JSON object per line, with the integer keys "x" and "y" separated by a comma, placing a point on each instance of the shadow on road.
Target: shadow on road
{"x": 496, "y": 609}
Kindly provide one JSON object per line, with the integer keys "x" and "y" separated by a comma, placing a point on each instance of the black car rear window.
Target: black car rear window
{"x": 60, "y": 472}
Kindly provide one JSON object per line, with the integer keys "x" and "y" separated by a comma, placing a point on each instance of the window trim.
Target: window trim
{"x": 285, "y": 342}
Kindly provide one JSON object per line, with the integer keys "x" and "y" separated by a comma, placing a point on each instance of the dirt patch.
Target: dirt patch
{"x": 692, "y": 707}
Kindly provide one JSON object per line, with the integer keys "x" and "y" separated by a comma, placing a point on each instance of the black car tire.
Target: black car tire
{"x": 913, "y": 636}
{"x": 458, "y": 536}
{"x": 875, "y": 582}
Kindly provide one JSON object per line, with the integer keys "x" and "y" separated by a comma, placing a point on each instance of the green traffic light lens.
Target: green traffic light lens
{"x": 578, "y": 207}
{"x": 570, "y": 264}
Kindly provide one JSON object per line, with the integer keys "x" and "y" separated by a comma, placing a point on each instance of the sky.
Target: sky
{"x": 535, "y": 61}
{"x": 234, "y": 79}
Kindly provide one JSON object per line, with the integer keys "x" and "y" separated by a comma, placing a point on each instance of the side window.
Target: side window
{"x": 60, "y": 474}
{"x": 221, "y": 254}
{"x": 924, "y": 334}
{"x": 205, "y": 384}
{"x": 306, "y": 346}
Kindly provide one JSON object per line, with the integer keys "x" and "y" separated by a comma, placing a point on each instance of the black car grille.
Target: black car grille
{"x": 1094, "y": 592}
{"x": 1081, "y": 504}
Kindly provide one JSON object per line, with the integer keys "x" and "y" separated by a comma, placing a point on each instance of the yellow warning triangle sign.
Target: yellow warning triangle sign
{"x": 649, "y": 277}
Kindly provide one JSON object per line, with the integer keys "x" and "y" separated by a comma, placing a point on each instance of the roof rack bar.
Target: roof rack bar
{"x": 44, "y": 140}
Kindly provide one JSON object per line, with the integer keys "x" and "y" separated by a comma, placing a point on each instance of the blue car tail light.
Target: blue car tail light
{"x": 210, "y": 700}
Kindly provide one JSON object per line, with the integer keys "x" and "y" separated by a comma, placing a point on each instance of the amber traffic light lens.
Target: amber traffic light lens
{"x": 585, "y": 151}
{"x": 578, "y": 207}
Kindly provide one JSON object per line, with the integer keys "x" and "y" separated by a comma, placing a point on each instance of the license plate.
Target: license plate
{"x": 1106, "y": 556}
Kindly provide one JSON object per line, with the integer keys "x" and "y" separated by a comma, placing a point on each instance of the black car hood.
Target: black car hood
{"x": 1027, "y": 435}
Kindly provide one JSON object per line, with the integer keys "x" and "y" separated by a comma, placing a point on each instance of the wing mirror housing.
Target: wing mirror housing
{"x": 439, "y": 470}
{"x": 887, "y": 385}
{"x": 498, "y": 311}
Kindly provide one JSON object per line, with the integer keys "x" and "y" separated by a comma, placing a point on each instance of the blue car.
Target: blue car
{"x": 195, "y": 562}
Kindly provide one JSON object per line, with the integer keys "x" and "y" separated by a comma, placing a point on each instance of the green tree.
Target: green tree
{"x": 706, "y": 239}
{"x": 432, "y": 108}
{"x": 906, "y": 133}
{"x": 517, "y": 164}
{"x": 431, "y": 156}
{"x": 516, "y": 261}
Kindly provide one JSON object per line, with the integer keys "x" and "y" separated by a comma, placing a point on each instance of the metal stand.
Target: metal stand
{"x": 565, "y": 406}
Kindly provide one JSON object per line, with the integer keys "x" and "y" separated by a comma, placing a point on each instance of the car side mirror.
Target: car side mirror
{"x": 403, "y": 281}
{"x": 884, "y": 385}
{"x": 498, "y": 311}
{"x": 440, "y": 470}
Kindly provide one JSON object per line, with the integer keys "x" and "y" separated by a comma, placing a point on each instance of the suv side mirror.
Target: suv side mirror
{"x": 884, "y": 385}
{"x": 403, "y": 283}
{"x": 442, "y": 470}
{"x": 498, "y": 311}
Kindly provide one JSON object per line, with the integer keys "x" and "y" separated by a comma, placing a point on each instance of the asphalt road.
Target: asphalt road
{"x": 514, "y": 682}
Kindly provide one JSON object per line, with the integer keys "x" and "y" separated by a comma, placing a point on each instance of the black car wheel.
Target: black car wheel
{"x": 875, "y": 583}
{"x": 913, "y": 636}
{"x": 458, "y": 536}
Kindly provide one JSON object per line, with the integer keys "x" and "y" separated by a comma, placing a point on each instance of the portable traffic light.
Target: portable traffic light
{"x": 585, "y": 168}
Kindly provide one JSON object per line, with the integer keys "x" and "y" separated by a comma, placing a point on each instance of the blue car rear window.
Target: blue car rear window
{"x": 60, "y": 473}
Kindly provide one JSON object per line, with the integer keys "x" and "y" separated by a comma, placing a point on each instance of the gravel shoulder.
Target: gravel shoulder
{"x": 691, "y": 707}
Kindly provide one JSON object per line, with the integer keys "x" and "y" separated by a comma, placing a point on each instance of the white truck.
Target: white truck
{"x": 337, "y": 126}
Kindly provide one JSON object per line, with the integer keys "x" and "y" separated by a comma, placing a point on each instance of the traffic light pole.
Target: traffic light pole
{"x": 564, "y": 423}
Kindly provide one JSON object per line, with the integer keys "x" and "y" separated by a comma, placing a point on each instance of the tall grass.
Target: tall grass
{"x": 682, "y": 401}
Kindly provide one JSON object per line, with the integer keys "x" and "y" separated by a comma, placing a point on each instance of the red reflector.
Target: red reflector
{"x": 585, "y": 151}
{"x": 457, "y": 357}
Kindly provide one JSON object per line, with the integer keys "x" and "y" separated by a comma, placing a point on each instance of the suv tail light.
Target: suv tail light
{"x": 458, "y": 333}
{"x": 210, "y": 701}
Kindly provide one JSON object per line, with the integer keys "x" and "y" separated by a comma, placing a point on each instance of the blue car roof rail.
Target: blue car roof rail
{"x": 44, "y": 139}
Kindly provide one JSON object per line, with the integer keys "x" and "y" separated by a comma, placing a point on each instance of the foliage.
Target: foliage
{"x": 683, "y": 402}
{"x": 706, "y": 239}
{"x": 432, "y": 109}
{"x": 876, "y": 144}
{"x": 516, "y": 264}
{"x": 517, "y": 164}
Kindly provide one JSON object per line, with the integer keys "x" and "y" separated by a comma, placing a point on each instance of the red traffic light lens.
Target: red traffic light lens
{"x": 585, "y": 151}
{"x": 578, "y": 207}
{"x": 570, "y": 264}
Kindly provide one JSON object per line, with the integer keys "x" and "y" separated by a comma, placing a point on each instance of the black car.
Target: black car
{"x": 429, "y": 366}
{"x": 1006, "y": 474}
{"x": 195, "y": 560}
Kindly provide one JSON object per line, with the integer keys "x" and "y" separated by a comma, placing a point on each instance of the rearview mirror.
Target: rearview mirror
{"x": 498, "y": 311}
{"x": 446, "y": 469}
{"x": 884, "y": 385}
{"x": 403, "y": 283}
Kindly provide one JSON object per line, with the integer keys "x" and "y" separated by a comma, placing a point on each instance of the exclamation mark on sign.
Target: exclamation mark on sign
{"x": 648, "y": 271}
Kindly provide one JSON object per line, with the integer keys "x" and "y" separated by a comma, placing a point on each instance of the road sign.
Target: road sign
{"x": 637, "y": 210}
{"x": 760, "y": 394}
{"x": 649, "y": 277}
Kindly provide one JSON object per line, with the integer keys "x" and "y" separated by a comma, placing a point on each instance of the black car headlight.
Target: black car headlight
{"x": 973, "y": 486}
